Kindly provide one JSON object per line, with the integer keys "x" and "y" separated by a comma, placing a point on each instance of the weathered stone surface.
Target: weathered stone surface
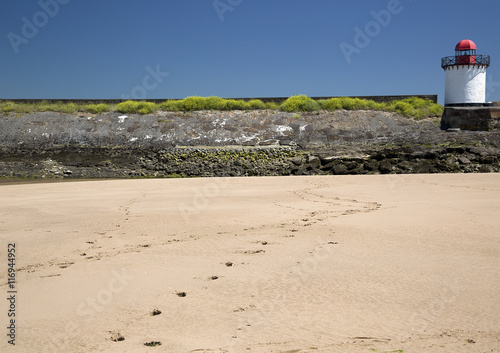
{"x": 207, "y": 144}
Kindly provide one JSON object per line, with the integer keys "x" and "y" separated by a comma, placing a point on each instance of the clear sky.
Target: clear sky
{"x": 237, "y": 48}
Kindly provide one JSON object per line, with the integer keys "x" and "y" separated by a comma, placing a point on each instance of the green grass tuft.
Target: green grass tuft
{"x": 272, "y": 106}
{"x": 300, "y": 103}
{"x": 415, "y": 107}
{"x": 190, "y": 104}
{"x": 256, "y": 104}
{"x": 97, "y": 108}
{"x": 216, "y": 103}
{"x": 128, "y": 107}
{"x": 134, "y": 107}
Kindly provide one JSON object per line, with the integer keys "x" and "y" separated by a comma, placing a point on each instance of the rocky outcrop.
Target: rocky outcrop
{"x": 250, "y": 161}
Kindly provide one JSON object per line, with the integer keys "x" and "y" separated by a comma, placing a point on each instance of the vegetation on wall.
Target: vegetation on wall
{"x": 46, "y": 106}
{"x": 413, "y": 107}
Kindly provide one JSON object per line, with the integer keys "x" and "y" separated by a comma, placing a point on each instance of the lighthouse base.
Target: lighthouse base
{"x": 487, "y": 104}
{"x": 471, "y": 118}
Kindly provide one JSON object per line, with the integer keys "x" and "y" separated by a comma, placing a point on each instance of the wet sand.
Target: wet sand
{"x": 281, "y": 264}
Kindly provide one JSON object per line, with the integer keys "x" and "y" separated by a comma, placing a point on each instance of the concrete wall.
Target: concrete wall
{"x": 45, "y": 130}
{"x": 472, "y": 118}
{"x": 465, "y": 84}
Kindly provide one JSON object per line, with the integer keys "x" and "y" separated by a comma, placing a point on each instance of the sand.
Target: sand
{"x": 284, "y": 264}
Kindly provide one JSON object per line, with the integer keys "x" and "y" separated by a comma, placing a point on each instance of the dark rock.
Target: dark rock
{"x": 431, "y": 155}
{"x": 339, "y": 169}
{"x": 358, "y": 170}
{"x": 326, "y": 159}
{"x": 315, "y": 171}
{"x": 486, "y": 169}
{"x": 481, "y": 151}
{"x": 298, "y": 160}
{"x": 352, "y": 165}
{"x": 463, "y": 160}
{"x": 371, "y": 166}
{"x": 385, "y": 167}
{"x": 313, "y": 162}
{"x": 328, "y": 166}
{"x": 490, "y": 159}
{"x": 459, "y": 150}
{"x": 405, "y": 166}
{"x": 302, "y": 170}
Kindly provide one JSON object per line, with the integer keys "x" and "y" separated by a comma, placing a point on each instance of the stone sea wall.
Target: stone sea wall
{"x": 250, "y": 143}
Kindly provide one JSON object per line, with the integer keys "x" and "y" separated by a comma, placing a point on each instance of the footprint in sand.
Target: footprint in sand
{"x": 116, "y": 336}
{"x": 155, "y": 312}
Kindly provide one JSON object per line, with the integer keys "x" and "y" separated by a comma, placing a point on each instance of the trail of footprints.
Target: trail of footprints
{"x": 91, "y": 249}
{"x": 324, "y": 208}
{"x": 329, "y": 208}
{"x": 248, "y": 311}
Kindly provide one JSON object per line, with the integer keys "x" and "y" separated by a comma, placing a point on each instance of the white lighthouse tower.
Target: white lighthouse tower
{"x": 465, "y": 76}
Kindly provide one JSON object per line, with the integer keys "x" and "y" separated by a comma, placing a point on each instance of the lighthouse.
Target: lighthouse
{"x": 465, "y": 76}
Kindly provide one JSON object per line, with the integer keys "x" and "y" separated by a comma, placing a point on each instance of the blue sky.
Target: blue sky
{"x": 237, "y": 48}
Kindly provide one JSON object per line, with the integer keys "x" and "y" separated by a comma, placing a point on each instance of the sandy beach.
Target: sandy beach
{"x": 397, "y": 263}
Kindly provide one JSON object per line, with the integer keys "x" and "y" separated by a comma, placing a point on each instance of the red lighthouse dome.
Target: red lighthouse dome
{"x": 465, "y": 44}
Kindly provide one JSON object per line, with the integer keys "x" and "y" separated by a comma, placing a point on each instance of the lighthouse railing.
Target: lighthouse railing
{"x": 483, "y": 60}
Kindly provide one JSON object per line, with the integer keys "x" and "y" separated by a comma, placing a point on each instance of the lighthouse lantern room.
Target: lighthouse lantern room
{"x": 465, "y": 76}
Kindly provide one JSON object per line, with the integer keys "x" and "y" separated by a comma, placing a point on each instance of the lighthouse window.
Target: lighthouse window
{"x": 465, "y": 52}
